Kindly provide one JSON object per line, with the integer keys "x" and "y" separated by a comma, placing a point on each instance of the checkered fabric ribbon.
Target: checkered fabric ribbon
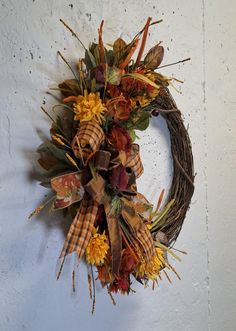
{"x": 90, "y": 134}
{"x": 138, "y": 228}
{"x": 69, "y": 189}
{"x": 134, "y": 161}
{"x": 146, "y": 242}
{"x": 80, "y": 230}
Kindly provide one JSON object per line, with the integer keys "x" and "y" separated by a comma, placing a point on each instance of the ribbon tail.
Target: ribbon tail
{"x": 138, "y": 229}
{"x": 134, "y": 161}
{"x": 115, "y": 239}
{"x": 81, "y": 229}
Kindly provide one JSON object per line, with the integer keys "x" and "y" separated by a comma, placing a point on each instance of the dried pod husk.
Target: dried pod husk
{"x": 162, "y": 238}
{"x": 154, "y": 57}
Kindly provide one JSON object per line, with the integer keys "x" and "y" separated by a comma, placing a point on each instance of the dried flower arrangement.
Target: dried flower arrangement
{"x": 92, "y": 162}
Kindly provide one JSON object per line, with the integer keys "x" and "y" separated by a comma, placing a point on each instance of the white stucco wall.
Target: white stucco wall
{"x": 30, "y": 297}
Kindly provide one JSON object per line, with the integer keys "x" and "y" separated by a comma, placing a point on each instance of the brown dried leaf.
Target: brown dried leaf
{"x": 119, "y": 45}
{"x": 47, "y": 161}
{"x": 154, "y": 57}
{"x": 70, "y": 87}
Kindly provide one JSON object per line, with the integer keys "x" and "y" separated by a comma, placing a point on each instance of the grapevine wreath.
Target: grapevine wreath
{"x": 92, "y": 162}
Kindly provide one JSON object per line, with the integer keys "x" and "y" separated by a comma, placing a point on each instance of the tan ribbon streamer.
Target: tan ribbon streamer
{"x": 115, "y": 238}
{"x": 95, "y": 188}
{"x": 102, "y": 160}
{"x": 134, "y": 161}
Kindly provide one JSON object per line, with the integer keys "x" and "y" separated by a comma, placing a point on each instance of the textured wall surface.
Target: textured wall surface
{"x": 30, "y": 297}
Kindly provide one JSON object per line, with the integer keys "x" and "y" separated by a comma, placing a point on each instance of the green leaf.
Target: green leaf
{"x": 140, "y": 120}
{"x": 97, "y": 55}
{"x": 114, "y": 76}
{"x": 57, "y": 170}
{"x": 107, "y": 123}
{"x": 115, "y": 206}
{"x": 109, "y": 57}
{"x": 93, "y": 85}
{"x": 158, "y": 222}
{"x": 92, "y": 170}
{"x": 59, "y": 123}
{"x": 133, "y": 134}
{"x": 158, "y": 244}
{"x": 46, "y": 184}
{"x": 89, "y": 60}
{"x": 92, "y": 47}
{"x": 49, "y": 148}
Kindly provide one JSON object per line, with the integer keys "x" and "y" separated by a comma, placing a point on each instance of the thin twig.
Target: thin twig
{"x": 182, "y": 170}
{"x": 174, "y": 63}
{"x": 73, "y": 280}
{"x": 111, "y": 296}
{"x": 94, "y": 291}
{"x": 69, "y": 66}
{"x": 90, "y": 285}
{"x": 61, "y": 267}
{"x": 72, "y": 31}
{"x": 153, "y": 23}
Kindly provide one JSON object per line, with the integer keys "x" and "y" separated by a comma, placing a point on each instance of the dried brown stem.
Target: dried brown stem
{"x": 174, "y": 63}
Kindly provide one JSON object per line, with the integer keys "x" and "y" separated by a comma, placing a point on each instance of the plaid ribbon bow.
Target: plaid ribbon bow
{"x": 91, "y": 194}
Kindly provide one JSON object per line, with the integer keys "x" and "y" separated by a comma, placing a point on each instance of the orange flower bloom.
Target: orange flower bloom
{"x": 119, "y": 108}
{"x": 120, "y": 139}
{"x": 105, "y": 274}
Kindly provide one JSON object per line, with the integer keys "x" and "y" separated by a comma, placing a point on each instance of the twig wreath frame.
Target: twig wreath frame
{"x": 92, "y": 162}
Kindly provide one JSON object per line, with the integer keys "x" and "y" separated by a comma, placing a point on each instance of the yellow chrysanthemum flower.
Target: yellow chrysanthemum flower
{"x": 152, "y": 268}
{"x": 88, "y": 107}
{"x": 97, "y": 248}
